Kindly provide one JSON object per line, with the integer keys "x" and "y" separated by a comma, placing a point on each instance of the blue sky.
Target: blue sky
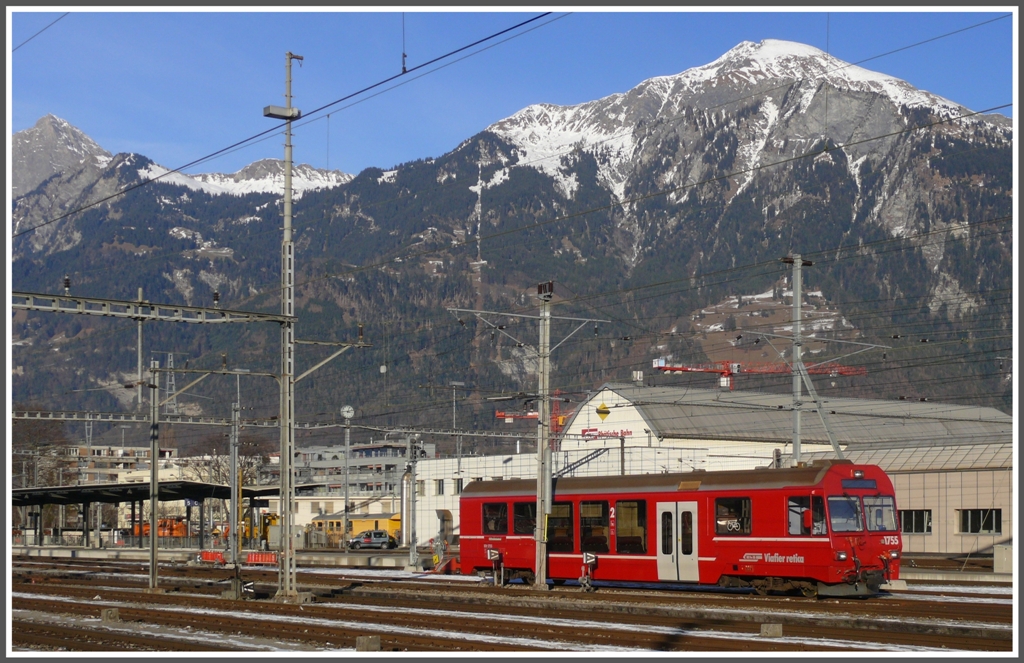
{"x": 178, "y": 85}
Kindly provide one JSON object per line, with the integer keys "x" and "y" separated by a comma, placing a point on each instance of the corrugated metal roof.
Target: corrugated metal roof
{"x": 687, "y": 413}
{"x": 936, "y": 459}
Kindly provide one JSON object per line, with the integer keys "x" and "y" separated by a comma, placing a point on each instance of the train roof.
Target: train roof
{"x": 653, "y": 483}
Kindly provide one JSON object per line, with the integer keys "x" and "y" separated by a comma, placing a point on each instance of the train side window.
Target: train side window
{"x": 806, "y": 515}
{"x": 560, "y": 528}
{"x": 666, "y": 533}
{"x": 686, "y": 533}
{"x": 594, "y": 527}
{"x": 495, "y": 518}
{"x": 524, "y": 517}
{"x": 631, "y": 527}
{"x": 732, "y": 515}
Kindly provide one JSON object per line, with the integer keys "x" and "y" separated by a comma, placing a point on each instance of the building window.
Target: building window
{"x": 421, "y": 488}
{"x": 631, "y": 527}
{"x": 916, "y": 521}
{"x": 314, "y": 507}
{"x": 806, "y": 515}
{"x": 328, "y": 507}
{"x": 732, "y": 515}
{"x": 981, "y": 521}
{"x": 458, "y": 486}
{"x": 495, "y": 518}
{"x": 439, "y": 486}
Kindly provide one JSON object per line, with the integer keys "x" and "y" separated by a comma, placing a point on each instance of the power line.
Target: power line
{"x": 40, "y": 32}
{"x": 274, "y": 129}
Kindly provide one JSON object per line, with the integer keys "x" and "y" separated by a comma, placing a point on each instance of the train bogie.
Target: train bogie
{"x": 828, "y": 529}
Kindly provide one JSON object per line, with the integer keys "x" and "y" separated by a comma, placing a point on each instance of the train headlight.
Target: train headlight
{"x": 841, "y": 555}
{"x": 894, "y": 554}
{"x": 858, "y": 474}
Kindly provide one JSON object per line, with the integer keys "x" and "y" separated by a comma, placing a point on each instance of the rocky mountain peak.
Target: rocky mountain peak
{"x": 51, "y": 147}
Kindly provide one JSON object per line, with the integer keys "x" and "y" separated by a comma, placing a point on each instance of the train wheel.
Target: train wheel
{"x": 810, "y": 591}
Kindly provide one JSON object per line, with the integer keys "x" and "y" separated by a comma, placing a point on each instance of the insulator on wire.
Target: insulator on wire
{"x": 67, "y": 284}
{"x": 360, "y": 332}
{"x": 216, "y": 299}
{"x": 462, "y": 322}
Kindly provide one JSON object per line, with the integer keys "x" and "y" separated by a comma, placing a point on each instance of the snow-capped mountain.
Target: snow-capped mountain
{"x": 267, "y": 176}
{"x": 57, "y": 167}
{"x": 55, "y": 147}
{"x": 699, "y": 181}
{"x": 50, "y": 148}
{"x": 786, "y": 78}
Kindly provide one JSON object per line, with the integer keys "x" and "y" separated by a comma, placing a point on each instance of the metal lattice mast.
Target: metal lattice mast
{"x": 286, "y": 578}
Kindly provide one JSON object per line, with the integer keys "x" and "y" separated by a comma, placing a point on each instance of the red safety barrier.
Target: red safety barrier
{"x": 261, "y": 558}
{"x": 212, "y": 556}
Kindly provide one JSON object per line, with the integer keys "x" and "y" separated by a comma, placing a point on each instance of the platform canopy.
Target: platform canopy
{"x": 116, "y": 493}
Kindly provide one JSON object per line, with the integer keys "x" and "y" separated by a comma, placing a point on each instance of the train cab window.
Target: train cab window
{"x": 495, "y": 518}
{"x": 524, "y": 517}
{"x": 594, "y": 527}
{"x": 560, "y": 528}
{"x": 881, "y": 513}
{"x": 806, "y": 515}
{"x": 732, "y": 515}
{"x": 631, "y": 527}
{"x": 845, "y": 513}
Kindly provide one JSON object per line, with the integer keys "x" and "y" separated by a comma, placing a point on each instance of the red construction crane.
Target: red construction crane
{"x": 727, "y": 369}
{"x": 557, "y": 418}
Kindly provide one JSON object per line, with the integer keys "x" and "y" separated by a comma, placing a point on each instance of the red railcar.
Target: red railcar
{"x": 827, "y": 529}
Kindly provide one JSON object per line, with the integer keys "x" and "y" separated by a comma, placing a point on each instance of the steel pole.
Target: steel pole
{"x": 797, "y": 354}
{"x": 344, "y": 525}
{"x": 233, "y": 519}
{"x": 413, "y": 553}
{"x": 154, "y": 475}
{"x": 543, "y": 451}
{"x": 139, "y": 357}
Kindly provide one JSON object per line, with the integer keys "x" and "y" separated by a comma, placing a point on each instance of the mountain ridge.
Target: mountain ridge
{"x": 662, "y": 184}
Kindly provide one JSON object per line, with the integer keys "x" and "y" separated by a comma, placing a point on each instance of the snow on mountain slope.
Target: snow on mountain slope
{"x": 544, "y": 133}
{"x": 267, "y": 176}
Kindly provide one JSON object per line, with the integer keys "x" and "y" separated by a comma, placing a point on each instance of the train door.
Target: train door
{"x": 677, "y": 541}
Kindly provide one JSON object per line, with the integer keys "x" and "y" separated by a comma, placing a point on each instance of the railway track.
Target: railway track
{"x": 408, "y": 615}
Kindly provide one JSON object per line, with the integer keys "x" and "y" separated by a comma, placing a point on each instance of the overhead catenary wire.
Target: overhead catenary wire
{"x": 276, "y": 128}
{"x": 50, "y": 25}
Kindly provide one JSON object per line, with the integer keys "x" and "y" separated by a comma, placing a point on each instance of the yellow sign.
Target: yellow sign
{"x": 603, "y": 411}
